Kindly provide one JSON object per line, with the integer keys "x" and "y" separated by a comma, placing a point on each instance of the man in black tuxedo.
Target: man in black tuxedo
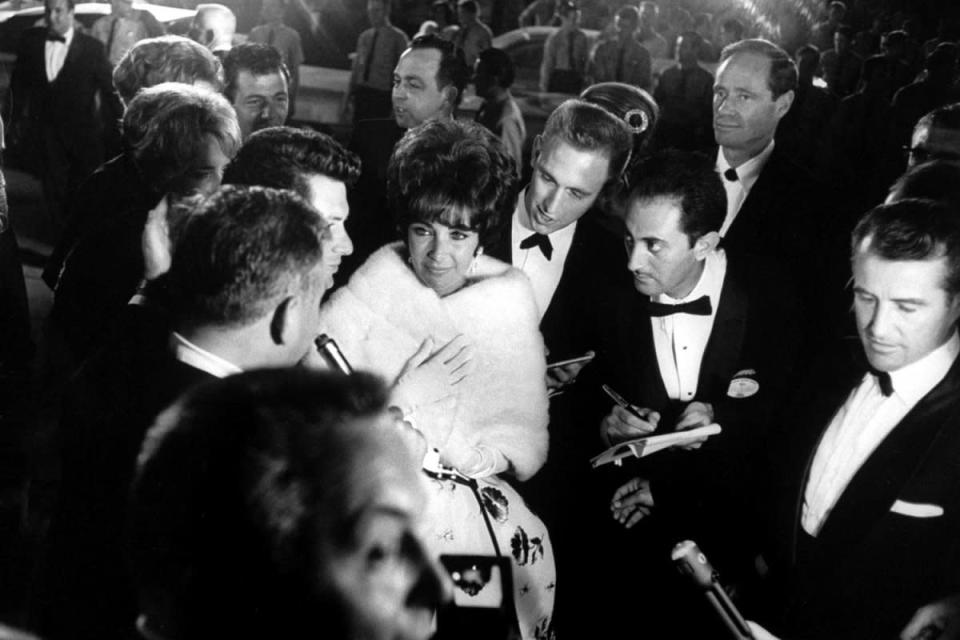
{"x": 56, "y": 125}
{"x": 428, "y": 83}
{"x": 775, "y": 208}
{"x": 868, "y": 529}
{"x": 243, "y": 292}
{"x": 703, "y": 336}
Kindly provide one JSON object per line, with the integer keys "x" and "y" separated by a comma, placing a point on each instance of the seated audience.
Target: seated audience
{"x": 282, "y": 504}
{"x": 451, "y": 186}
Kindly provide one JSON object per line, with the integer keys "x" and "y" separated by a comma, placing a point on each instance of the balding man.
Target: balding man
{"x": 214, "y": 26}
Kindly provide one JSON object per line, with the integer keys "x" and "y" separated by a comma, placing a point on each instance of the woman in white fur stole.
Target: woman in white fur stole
{"x": 435, "y": 299}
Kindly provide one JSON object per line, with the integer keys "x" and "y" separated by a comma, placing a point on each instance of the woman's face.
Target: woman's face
{"x": 441, "y": 255}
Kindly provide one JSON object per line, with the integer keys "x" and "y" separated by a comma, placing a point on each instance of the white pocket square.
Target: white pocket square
{"x": 917, "y": 509}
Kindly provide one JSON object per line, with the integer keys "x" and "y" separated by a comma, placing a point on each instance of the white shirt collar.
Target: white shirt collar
{"x": 915, "y": 380}
{"x": 709, "y": 284}
{"x": 521, "y": 231}
{"x": 749, "y": 171}
{"x": 189, "y": 353}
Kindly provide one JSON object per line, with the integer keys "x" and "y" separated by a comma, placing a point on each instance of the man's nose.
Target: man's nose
{"x": 881, "y": 321}
{"x": 552, "y": 202}
{"x": 637, "y": 258}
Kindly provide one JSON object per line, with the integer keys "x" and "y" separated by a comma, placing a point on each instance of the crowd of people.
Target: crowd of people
{"x": 351, "y": 390}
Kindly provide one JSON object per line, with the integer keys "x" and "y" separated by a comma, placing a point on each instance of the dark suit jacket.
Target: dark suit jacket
{"x": 869, "y": 568}
{"x": 596, "y": 259}
{"x": 63, "y": 113}
{"x": 85, "y": 589}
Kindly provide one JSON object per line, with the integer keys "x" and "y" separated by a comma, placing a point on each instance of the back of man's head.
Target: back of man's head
{"x": 690, "y": 179}
{"x": 589, "y": 127}
{"x": 453, "y": 70}
{"x": 936, "y": 136}
{"x": 214, "y": 25}
{"x": 783, "y": 71}
{"x": 165, "y": 59}
{"x": 284, "y": 157}
{"x": 240, "y": 255}
{"x": 937, "y": 180}
{"x": 628, "y": 15}
{"x": 734, "y": 29}
{"x": 255, "y": 58}
{"x": 166, "y": 130}
{"x": 243, "y": 489}
{"x": 912, "y": 230}
{"x": 498, "y": 64}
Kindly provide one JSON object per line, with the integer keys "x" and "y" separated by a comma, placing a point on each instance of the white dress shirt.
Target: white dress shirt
{"x": 861, "y": 424}
{"x": 189, "y": 353}
{"x": 544, "y": 274}
{"x": 738, "y": 190}
{"x": 55, "y": 53}
{"x": 681, "y": 338}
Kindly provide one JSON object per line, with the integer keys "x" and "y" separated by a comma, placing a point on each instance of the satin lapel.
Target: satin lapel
{"x": 73, "y": 53}
{"x": 879, "y": 481}
{"x": 725, "y": 343}
{"x": 646, "y": 387}
{"x": 571, "y": 271}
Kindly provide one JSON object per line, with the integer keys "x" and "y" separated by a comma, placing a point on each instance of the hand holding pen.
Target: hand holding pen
{"x": 626, "y": 421}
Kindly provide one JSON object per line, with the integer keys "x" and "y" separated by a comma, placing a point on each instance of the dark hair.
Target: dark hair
{"x": 808, "y": 50}
{"x": 240, "y": 485}
{"x": 845, "y": 30}
{"x": 692, "y": 35}
{"x": 632, "y": 105}
{"x": 566, "y": 7}
{"x": 629, "y": 12}
{"x": 453, "y": 68}
{"x": 688, "y": 177}
{"x": 783, "y": 70}
{"x": 255, "y": 58}
{"x": 164, "y": 130}
{"x": 444, "y": 6}
{"x": 896, "y": 38}
{"x": 837, "y": 4}
{"x": 937, "y": 180}
{"x": 453, "y": 172}
{"x": 469, "y": 6}
{"x": 285, "y": 157}
{"x": 240, "y": 254}
{"x": 498, "y": 65}
{"x": 734, "y": 26}
{"x": 70, "y": 4}
{"x": 165, "y": 59}
{"x": 593, "y": 127}
{"x": 873, "y": 67}
{"x": 912, "y": 229}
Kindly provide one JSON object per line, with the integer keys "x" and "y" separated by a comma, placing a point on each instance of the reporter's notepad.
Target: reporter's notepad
{"x": 640, "y": 447}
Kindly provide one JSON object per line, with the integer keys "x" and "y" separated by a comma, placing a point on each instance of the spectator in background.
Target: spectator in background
{"x": 678, "y": 20}
{"x": 538, "y": 12}
{"x": 894, "y": 48}
{"x": 473, "y": 36}
{"x": 647, "y": 33}
{"x": 493, "y": 75}
{"x": 123, "y": 27}
{"x": 867, "y": 42}
{"x": 444, "y": 17}
{"x": 214, "y": 26}
{"x": 935, "y": 180}
{"x": 840, "y": 66}
{"x": 371, "y": 76}
{"x": 623, "y": 59}
{"x": 801, "y": 133}
{"x": 936, "y": 137}
{"x": 731, "y": 30}
{"x": 685, "y": 96}
{"x": 565, "y": 53}
{"x": 257, "y": 86}
{"x": 933, "y": 90}
{"x": 276, "y": 34}
{"x": 283, "y": 504}
{"x": 822, "y": 34}
{"x": 703, "y": 25}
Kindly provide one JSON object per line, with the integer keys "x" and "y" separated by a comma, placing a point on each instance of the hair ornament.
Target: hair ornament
{"x": 638, "y": 120}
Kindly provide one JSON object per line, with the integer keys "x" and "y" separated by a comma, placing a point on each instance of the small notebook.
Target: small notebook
{"x": 640, "y": 447}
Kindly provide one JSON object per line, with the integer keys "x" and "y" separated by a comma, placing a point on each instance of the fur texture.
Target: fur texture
{"x": 384, "y": 313}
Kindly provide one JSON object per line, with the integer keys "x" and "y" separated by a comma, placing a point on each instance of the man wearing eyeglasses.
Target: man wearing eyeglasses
{"x": 936, "y": 137}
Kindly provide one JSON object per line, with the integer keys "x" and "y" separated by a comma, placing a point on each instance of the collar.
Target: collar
{"x": 522, "y": 218}
{"x": 747, "y": 172}
{"x": 189, "y": 353}
{"x": 709, "y": 284}
{"x": 67, "y": 37}
{"x": 915, "y": 380}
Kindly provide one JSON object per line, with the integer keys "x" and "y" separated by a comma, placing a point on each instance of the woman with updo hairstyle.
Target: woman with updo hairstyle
{"x": 457, "y": 333}
{"x": 631, "y": 104}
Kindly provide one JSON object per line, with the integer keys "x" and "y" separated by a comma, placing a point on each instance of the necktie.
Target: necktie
{"x": 538, "y": 240}
{"x": 699, "y": 307}
{"x": 53, "y": 36}
{"x": 369, "y": 61}
{"x": 731, "y": 175}
{"x": 883, "y": 379}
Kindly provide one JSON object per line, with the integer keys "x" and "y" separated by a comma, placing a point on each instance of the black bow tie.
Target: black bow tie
{"x": 883, "y": 379}
{"x": 53, "y": 36}
{"x": 731, "y": 175}
{"x": 538, "y": 240}
{"x": 699, "y": 307}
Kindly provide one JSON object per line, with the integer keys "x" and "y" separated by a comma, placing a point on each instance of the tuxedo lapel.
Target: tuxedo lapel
{"x": 725, "y": 343}
{"x": 72, "y": 59}
{"x": 880, "y": 480}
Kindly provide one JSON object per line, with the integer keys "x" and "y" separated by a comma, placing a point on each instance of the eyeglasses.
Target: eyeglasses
{"x": 919, "y": 155}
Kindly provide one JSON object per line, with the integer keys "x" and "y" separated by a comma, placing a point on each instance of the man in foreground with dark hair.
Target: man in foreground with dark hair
{"x": 312, "y": 164}
{"x": 282, "y": 504}
{"x": 243, "y": 292}
{"x": 868, "y": 482}
{"x": 257, "y": 85}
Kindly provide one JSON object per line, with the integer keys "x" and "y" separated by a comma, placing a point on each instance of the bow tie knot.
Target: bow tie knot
{"x": 538, "y": 240}
{"x": 884, "y": 381}
{"x": 699, "y": 307}
{"x": 53, "y": 36}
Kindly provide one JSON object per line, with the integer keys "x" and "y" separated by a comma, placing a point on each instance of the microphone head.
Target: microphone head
{"x": 691, "y": 561}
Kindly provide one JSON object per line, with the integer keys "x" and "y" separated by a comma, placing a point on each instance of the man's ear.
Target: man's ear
{"x": 535, "y": 149}
{"x": 705, "y": 244}
{"x": 782, "y": 104}
{"x": 450, "y": 92}
{"x": 283, "y": 322}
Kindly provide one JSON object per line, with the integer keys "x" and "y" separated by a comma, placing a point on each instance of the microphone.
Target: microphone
{"x": 331, "y": 353}
{"x": 691, "y": 562}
